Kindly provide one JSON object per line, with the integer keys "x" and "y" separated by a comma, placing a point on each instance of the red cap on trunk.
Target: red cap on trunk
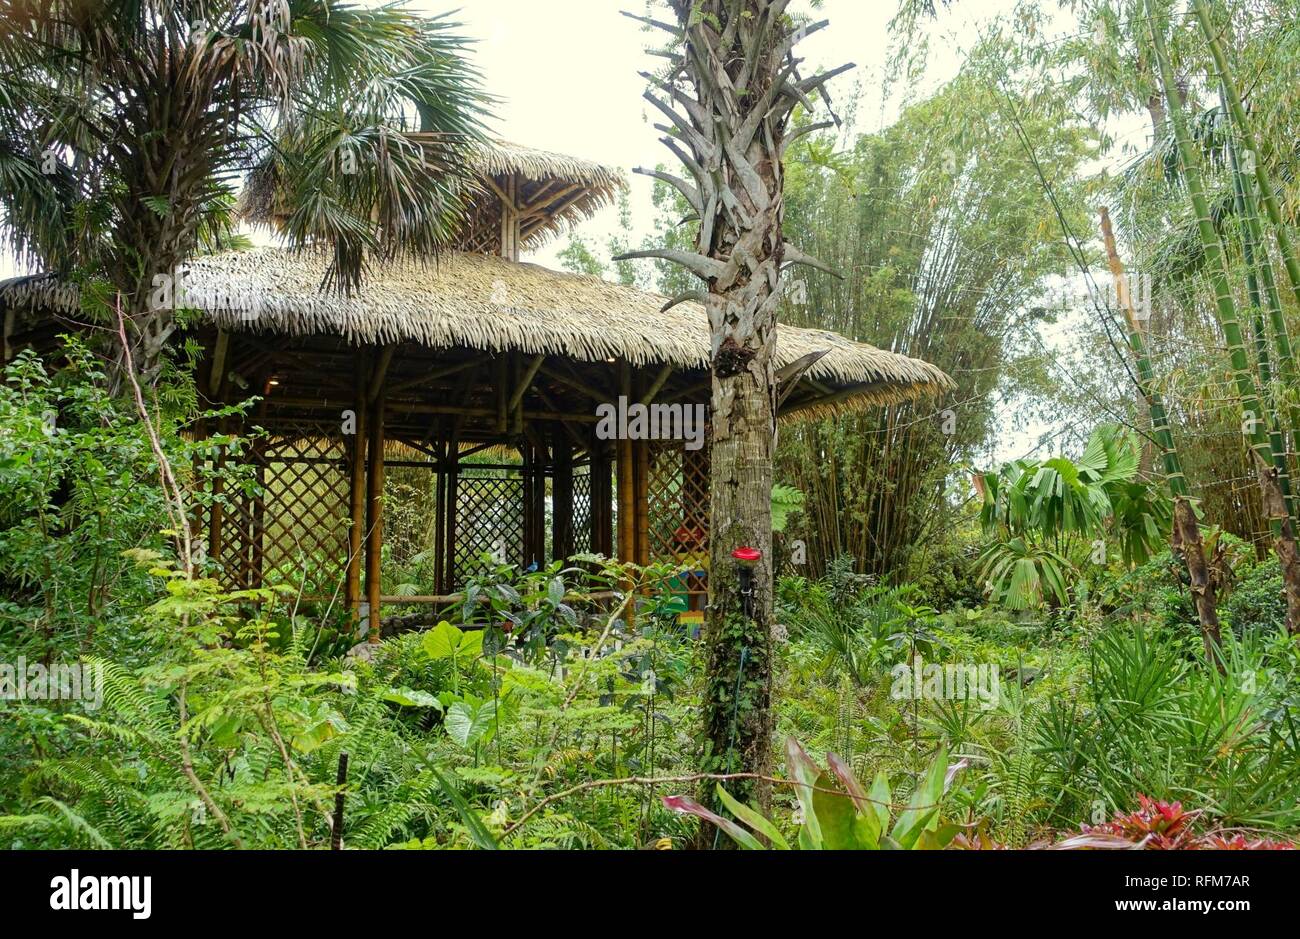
{"x": 746, "y": 555}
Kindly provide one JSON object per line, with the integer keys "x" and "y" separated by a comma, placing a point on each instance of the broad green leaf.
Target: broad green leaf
{"x": 442, "y": 641}
{"x": 835, "y": 815}
{"x": 923, "y": 809}
{"x": 412, "y": 698}
{"x": 460, "y": 722}
{"x": 879, "y": 799}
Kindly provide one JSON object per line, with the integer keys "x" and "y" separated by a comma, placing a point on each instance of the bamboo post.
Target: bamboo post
{"x": 440, "y": 522}
{"x": 562, "y": 495}
{"x": 541, "y": 460}
{"x": 510, "y": 219}
{"x": 528, "y": 517}
{"x": 449, "y": 512}
{"x": 375, "y": 535}
{"x": 641, "y": 500}
{"x": 602, "y": 526}
{"x": 357, "y": 495}
{"x": 501, "y": 366}
{"x": 216, "y": 520}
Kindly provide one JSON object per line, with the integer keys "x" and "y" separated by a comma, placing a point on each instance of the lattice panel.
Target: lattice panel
{"x": 294, "y": 527}
{"x": 582, "y": 541}
{"x": 481, "y": 234}
{"x": 489, "y": 517}
{"x": 678, "y": 505}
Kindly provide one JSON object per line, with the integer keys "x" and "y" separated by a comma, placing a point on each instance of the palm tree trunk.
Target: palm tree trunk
{"x": 1253, "y": 424}
{"x": 728, "y": 95}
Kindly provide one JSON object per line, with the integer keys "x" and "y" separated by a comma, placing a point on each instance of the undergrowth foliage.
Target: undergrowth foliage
{"x": 536, "y": 715}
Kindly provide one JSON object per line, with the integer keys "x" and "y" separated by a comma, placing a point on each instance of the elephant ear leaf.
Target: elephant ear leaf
{"x": 460, "y": 722}
{"x": 442, "y": 641}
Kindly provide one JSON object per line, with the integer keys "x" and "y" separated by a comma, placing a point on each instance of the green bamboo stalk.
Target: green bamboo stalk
{"x": 1249, "y": 245}
{"x": 1268, "y": 195}
{"x": 1226, "y": 309}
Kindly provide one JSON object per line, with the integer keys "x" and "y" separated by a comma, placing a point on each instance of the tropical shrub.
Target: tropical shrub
{"x": 838, "y": 813}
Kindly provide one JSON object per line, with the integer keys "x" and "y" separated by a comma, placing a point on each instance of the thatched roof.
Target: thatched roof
{"x": 502, "y": 158}
{"x": 554, "y": 191}
{"x": 491, "y": 304}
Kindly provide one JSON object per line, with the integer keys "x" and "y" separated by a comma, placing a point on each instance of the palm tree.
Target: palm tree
{"x": 125, "y": 126}
{"x": 728, "y": 91}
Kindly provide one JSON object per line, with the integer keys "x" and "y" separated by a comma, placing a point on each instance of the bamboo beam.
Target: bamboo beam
{"x": 381, "y": 373}
{"x": 831, "y": 398}
{"x": 500, "y": 193}
{"x": 218, "y": 370}
{"x": 412, "y": 407}
{"x": 595, "y": 394}
{"x": 577, "y": 438}
{"x": 437, "y": 373}
{"x": 538, "y": 206}
{"x": 657, "y": 384}
{"x": 525, "y": 381}
{"x": 540, "y": 222}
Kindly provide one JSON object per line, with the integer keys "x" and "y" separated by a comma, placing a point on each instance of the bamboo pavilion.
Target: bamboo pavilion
{"x": 480, "y": 369}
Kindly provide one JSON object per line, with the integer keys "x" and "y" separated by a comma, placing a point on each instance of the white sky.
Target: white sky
{"x": 566, "y": 71}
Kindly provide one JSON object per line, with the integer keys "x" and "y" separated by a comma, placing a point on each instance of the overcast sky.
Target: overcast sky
{"x": 566, "y": 71}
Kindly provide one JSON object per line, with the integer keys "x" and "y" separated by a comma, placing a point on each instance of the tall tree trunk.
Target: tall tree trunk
{"x": 1254, "y": 426}
{"x": 730, "y": 87}
{"x": 1186, "y": 538}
